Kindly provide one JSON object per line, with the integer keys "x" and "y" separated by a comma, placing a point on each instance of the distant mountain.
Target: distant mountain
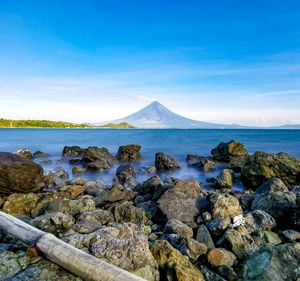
{"x": 287, "y": 127}
{"x": 122, "y": 125}
{"x": 155, "y": 115}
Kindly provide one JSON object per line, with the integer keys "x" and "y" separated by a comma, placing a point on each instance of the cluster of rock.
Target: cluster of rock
{"x": 168, "y": 229}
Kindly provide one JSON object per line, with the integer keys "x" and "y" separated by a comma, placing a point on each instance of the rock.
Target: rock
{"x": 164, "y": 162}
{"x": 12, "y": 263}
{"x": 217, "y": 227}
{"x": 126, "y": 212}
{"x": 200, "y": 162}
{"x": 192, "y": 248}
{"x": 224, "y": 152}
{"x": 53, "y": 222}
{"x": 173, "y": 265}
{"x": 46, "y": 271}
{"x": 72, "y": 207}
{"x": 99, "y": 165}
{"x": 153, "y": 186}
{"x": 72, "y": 150}
{"x": 278, "y": 204}
{"x": 125, "y": 246}
{"x": 240, "y": 242}
{"x": 100, "y": 216}
{"x": 77, "y": 170}
{"x": 274, "y": 263}
{"x": 226, "y": 179}
{"x": 272, "y": 185}
{"x": 125, "y": 169}
{"x": 258, "y": 221}
{"x": 75, "y": 161}
{"x": 20, "y": 204}
{"x": 209, "y": 274}
{"x": 262, "y": 166}
{"x": 94, "y": 153}
{"x": 237, "y": 163}
{"x": 219, "y": 256}
{"x": 271, "y": 237}
{"x": 224, "y": 206}
{"x": 73, "y": 190}
{"x": 227, "y": 272}
{"x": 183, "y": 201}
{"x": 19, "y": 174}
{"x": 39, "y": 154}
{"x": 246, "y": 200}
{"x": 291, "y": 235}
{"x": 25, "y": 153}
{"x": 203, "y": 236}
{"x": 129, "y": 153}
{"x": 177, "y": 227}
{"x": 57, "y": 177}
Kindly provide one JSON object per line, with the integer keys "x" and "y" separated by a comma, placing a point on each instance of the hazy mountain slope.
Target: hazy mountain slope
{"x": 155, "y": 115}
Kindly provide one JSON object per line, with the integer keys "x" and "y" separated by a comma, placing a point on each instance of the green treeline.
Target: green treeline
{"x": 7, "y": 123}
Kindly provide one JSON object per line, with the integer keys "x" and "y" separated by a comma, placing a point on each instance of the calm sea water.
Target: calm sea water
{"x": 177, "y": 143}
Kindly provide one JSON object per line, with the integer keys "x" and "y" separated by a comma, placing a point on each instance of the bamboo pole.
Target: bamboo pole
{"x": 76, "y": 261}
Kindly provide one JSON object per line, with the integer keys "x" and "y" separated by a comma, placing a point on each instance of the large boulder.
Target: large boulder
{"x": 183, "y": 201}
{"x": 19, "y": 174}
{"x": 93, "y": 153}
{"x": 164, "y": 162}
{"x": 226, "y": 179}
{"x": 261, "y": 167}
{"x": 225, "y": 206}
{"x": 225, "y": 151}
{"x": 173, "y": 265}
{"x": 127, "y": 153}
{"x": 72, "y": 150}
{"x": 125, "y": 246}
{"x": 274, "y": 263}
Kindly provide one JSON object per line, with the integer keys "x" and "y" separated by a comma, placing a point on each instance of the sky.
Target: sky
{"x": 224, "y": 61}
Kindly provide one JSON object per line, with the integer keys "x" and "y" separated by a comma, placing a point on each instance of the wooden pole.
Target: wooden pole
{"x": 76, "y": 261}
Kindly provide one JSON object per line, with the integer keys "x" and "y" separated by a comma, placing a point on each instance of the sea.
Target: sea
{"x": 175, "y": 142}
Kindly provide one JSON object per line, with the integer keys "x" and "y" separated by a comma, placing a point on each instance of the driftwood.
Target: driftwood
{"x": 76, "y": 261}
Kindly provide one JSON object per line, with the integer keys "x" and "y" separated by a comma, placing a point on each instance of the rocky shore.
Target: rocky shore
{"x": 163, "y": 228}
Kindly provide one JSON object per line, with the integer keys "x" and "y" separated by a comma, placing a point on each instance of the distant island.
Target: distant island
{"x": 9, "y": 123}
{"x": 122, "y": 125}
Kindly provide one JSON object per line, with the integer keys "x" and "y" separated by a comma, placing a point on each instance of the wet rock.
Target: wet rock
{"x": 226, "y": 179}
{"x": 177, "y": 227}
{"x": 153, "y": 186}
{"x": 25, "y": 153}
{"x": 94, "y": 153}
{"x": 203, "y": 236}
{"x": 127, "y": 212}
{"x": 225, "y": 206}
{"x": 125, "y": 246}
{"x": 237, "y": 163}
{"x": 46, "y": 271}
{"x": 12, "y": 263}
{"x": 227, "y": 272}
{"x": 72, "y": 150}
{"x": 183, "y": 201}
{"x": 78, "y": 170}
{"x": 262, "y": 166}
{"x": 258, "y": 221}
{"x": 291, "y": 235}
{"x": 20, "y": 204}
{"x": 219, "y": 256}
{"x": 173, "y": 265}
{"x": 246, "y": 200}
{"x": 280, "y": 262}
{"x": 39, "y": 154}
{"x": 125, "y": 174}
{"x": 57, "y": 177}
{"x": 209, "y": 274}
{"x": 129, "y": 153}
{"x": 224, "y": 152}
{"x": 164, "y": 162}
{"x": 202, "y": 163}
{"x": 19, "y": 174}
{"x": 99, "y": 165}
{"x": 53, "y": 222}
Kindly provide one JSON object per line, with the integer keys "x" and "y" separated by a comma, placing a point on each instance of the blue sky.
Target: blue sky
{"x": 219, "y": 61}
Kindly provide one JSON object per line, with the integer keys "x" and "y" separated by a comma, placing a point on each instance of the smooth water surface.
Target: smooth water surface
{"x": 177, "y": 143}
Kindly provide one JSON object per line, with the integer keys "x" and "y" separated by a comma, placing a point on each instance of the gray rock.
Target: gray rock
{"x": 203, "y": 236}
{"x": 178, "y": 227}
{"x": 164, "y": 162}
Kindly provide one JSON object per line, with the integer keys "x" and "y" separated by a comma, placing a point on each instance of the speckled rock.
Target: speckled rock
{"x": 127, "y": 153}
{"x": 226, "y": 151}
